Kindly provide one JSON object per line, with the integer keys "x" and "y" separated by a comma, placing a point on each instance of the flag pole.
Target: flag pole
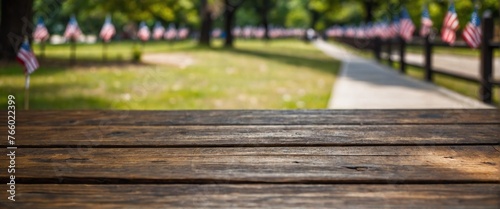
{"x": 104, "y": 51}
{"x": 73, "y": 51}
{"x": 42, "y": 47}
{"x": 27, "y": 91}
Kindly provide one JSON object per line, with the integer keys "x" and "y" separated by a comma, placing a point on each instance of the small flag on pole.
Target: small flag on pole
{"x": 472, "y": 32}
{"x": 108, "y": 30}
{"x": 143, "y": 34}
{"x": 158, "y": 31}
{"x": 27, "y": 58}
{"x": 183, "y": 33}
{"x": 41, "y": 33}
{"x": 426, "y": 22}
{"x": 72, "y": 30}
{"x": 171, "y": 32}
{"x": 407, "y": 26}
{"x": 450, "y": 25}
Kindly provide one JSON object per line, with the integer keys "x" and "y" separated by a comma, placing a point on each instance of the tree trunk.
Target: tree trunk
{"x": 206, "y": 24}
{"x": 229, "y": 13}
{"x": 265, "y": 18}
{"x": 369, "y": 10}
{"x": 314, "y": 18}
{"x": 16, "y": 23}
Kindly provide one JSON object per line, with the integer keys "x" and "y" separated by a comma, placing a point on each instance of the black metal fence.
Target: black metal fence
{"x": 485, "y": 80}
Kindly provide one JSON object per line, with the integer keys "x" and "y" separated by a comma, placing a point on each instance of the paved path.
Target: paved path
{"x": 364, "y": 84}
{"x": 453, "y": 63}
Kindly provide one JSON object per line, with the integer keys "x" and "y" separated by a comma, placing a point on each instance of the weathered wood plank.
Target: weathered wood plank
{"x": 454, "y": 196}
{"x": 346, "y": 164}
{"x": 317, "y": 135}
{"x": 258, "y": 117}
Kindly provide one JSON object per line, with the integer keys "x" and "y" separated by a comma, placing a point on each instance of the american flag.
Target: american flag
{"x": 216, "y": 33}
{"x": 143, "y": 34}
{"x": 108, "y": 30}
{"x": 360, "y": 32}
{"x": 41, "y": 33}
{"x": 472, "y": 32}
{"x": 158, "y": 31}
{"x": 72, "y": 30}
{"x": 247, "y": 32}
{"x": 426, "y": 22}
{"x": 394, "y": 28}
{"x": 450, "y": 25}
{"x": 26, "y": 57}
{"x": 350, "y": 32}
{"x": 407, "y": 26}
{"x": 171, "y": 32}
{"x": 183, "y": 33}
{"x": 378, "y": 29}
{"x": 386, "y": 29}
{"x": 237, "y": 31}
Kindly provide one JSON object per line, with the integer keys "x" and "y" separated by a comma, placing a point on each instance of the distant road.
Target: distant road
{"x": 453, "y": 63}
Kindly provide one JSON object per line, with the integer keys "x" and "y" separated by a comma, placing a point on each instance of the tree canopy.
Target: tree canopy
{"x": 318, "y": 14}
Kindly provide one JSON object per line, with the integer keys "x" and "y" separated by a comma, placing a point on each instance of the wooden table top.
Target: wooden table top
{"x": 256, "y": 159}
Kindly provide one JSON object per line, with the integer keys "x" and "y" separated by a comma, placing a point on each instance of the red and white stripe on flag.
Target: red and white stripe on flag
{"x": 143, "y": 34}
{"x": 472, "y": 32}
{"x": 108, "y": 30}
{"x": 41, "y": 33}
{"x": 407, "y": 26}
{"x": 158, "y": 31}
{"x": 450, "y": 26}
{"x": 27, "y": 58}
{"x": 72, "y": 29}
{"x": 426, "y": 22}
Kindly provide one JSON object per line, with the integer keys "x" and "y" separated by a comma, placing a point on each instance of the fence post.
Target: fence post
{"x": 486, "y": 58}
{"x": 402, "y": 62}
{"x": 389, "y": 51}
{"x": 377, "y": 48}
{"x": 428, "y": 59}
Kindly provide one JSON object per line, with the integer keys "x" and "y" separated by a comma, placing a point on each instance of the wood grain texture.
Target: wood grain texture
{"x": 258, "y": 117}
{"x": 395, "y": 164}
{"x": 203, "y": 136}
{"x": 256, "y": 159}
{"x": 49, "y": 196}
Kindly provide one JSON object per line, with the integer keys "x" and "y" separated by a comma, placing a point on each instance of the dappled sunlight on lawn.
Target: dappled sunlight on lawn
{"x": 284, "y": 74}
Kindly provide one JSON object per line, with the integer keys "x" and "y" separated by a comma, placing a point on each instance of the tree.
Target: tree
{"x": 263, "y": 7}
{"x": 206, "y": 23}
{"x": 230, "y": 8}
{"x": 16, "y": 23}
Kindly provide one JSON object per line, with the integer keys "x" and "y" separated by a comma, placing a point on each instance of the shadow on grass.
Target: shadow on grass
{"x": 40, "y": 100}
{"x": 324, "y": 65}
{"x": 52, "y": 66}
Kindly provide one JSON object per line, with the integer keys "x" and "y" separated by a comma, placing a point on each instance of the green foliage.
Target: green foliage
{"x": 91, "y": 13}
{"x": 290, "y": 13}
{"x": 298, "y": 15}
{"x": 136, "y": 54}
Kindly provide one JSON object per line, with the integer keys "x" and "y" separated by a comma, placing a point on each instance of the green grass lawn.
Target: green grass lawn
{"x": 116, "y": 51}
{"x": 282, "y": 74}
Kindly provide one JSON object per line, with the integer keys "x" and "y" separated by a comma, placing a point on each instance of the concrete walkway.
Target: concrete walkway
{"x": 365, "y": 84}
